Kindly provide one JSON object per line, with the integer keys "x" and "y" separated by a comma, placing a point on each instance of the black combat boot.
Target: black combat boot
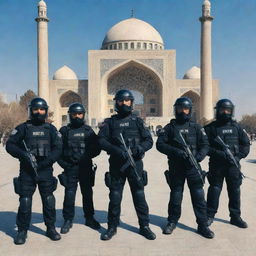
{"x": 53, "y": 234}
{"x": 111, "y": 231}
{"x": 239, "y": 222}
{"x": 92, "y": 223}
{"x": 20, "y": 237}
{"x": 210, "y": 221}
{"x": 147, "y": 233}
{"x": 67, "y": 225}
{"x": 168, "y": 229}
{"x": 205, "y": 231}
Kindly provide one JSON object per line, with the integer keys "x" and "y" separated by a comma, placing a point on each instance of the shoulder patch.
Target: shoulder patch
{"x": 161, "y": 132}
{"x": 14, "y": 131}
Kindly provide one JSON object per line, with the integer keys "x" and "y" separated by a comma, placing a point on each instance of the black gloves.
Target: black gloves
{"x": 138, "y": 152}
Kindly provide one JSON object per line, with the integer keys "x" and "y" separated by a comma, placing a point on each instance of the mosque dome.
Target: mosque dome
{"x": 64, "y": 73}
{"x": 193, "y": 73}
{"x": 42, "y": 3}
{"x": 133, "y": 34}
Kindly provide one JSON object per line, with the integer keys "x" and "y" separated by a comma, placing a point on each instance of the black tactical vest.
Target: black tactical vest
{"x": 229, "y": 134}
{"x": 189, "y": 133}
{"x": 128, "y": 127}
{"x": 76, "y": 141}
{"x": 38, "y": 139}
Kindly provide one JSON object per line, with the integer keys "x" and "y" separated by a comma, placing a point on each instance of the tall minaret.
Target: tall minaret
{"x": 206, "y": 104}
{"x": 42, "y": 51}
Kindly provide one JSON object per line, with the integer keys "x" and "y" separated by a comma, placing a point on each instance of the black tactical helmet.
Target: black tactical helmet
{"x": 37, "y": 103}
{"x": 76, "y": 108}
{"x": 120, "y": 96}
{"x": 185, "y": 103}
{"x": 124, "y": 95}
{"x": 224, "y": 104}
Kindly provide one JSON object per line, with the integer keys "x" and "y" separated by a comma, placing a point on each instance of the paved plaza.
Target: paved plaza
{"x": 81, "y": 240}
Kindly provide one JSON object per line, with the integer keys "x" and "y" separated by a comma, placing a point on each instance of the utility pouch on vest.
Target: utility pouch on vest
{"x": 16, "y": 184}
{"x": 167, "y": 177}
{"x": 63, "y": 179}
{"x": 93, "y": 173}
{"x": 145, "y": 178}
{"x": 108, "y": 179}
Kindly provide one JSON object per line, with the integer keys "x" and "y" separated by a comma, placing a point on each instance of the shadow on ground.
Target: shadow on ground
{"x": 253, "y": 161}
{"x": 8, "y": 221}
{"x": 162, "y": 221}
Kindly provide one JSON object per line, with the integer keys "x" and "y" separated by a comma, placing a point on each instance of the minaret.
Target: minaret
{"x": 42, "y": 51}
{"x": 206, "y": 104}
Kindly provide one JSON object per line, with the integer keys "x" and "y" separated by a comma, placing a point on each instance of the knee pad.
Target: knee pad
{"x": 115, "y": 195}
{"x": 215, "y": 188}
{"x": 70, "y": 195}
{"x": 50, "y": 201}
{"x": 25, "y": 204}
{"x": 177, "y": 195}
{"x": 139, "y": 193}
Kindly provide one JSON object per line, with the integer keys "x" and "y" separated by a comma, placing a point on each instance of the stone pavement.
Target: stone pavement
{"x": 81, "y": 240}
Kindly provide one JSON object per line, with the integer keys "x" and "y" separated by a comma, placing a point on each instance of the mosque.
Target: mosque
{"x": 132, "y": 56}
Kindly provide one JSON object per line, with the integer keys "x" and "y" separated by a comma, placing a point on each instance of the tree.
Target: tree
{"x": 26, "y": 98}
{"x": 248, "y": 122}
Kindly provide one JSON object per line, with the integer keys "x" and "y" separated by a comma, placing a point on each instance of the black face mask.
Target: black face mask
{"x": 182, "y": 117}
{"x": 224, "y": 118}
{"x": 77, "y": 122}
{"x": 124, "y": 110}
{"x": 38, "y": 118}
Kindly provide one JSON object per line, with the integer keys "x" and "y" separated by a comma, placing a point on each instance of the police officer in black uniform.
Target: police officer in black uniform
{"x": 180, "y": 168}
{"x": 221, "y": 165}
{"x": 80, "y": 145}
{"x": 138, "y": 138}
{"x": 44, "y": 142}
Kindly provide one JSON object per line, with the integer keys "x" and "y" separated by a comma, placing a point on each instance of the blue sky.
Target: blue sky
{"x": 77, "y": 26}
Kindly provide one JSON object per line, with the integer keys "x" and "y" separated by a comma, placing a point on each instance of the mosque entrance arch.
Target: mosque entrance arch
{"x": 195, "y": 98}
{"x": 144, "y": 84}
{"x": 67, "y": 99}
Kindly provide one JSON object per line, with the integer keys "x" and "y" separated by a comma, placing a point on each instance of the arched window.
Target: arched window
{"x": 120, "y": 46}
{"x": 145, "y": 46}
{"x": 68, "y": 98}
{"x": 138, "y": 45}
{"x": 132, "y": 45}
{"x": 150, "y": 46}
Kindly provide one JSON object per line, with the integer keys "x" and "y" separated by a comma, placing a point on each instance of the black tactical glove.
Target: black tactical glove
{"x": 199, "y": 158}
{"x": 26, "y": 159}
{"x": 138, "y": 152}
{"x": 45, "y": 163}
{"x": 181, "y": 154}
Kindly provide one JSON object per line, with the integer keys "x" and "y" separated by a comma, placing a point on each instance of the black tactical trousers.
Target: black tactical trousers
{"x": 84, "y": 177}
{"x": 233, "y": 180}
{"x": 46, "y": 185}
{"x": 177, "y": 179}
{"x": 116, "y": 191}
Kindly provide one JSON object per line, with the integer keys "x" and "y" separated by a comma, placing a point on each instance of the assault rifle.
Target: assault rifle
{"x": 229, "y": 153}
{"x": 191, "y": 157}
{"x": 131, "y": 161}
{"x": 32, "y": 160}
